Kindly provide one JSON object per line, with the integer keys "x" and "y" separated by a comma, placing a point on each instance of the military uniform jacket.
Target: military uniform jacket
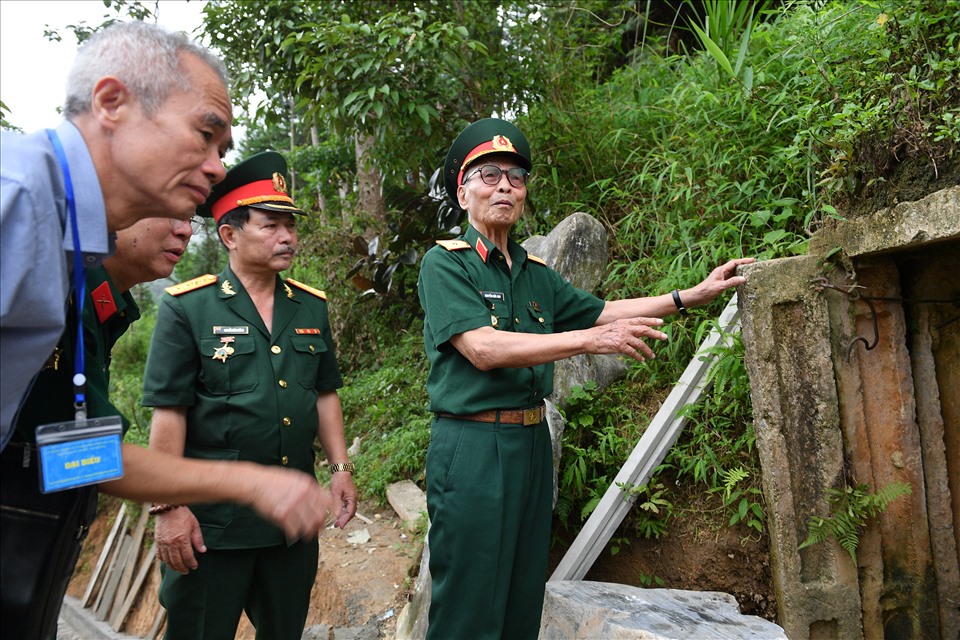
{"x": 107, "y": 314}
{"x": 249, "y": 395}
{"x": 464, "y": 284}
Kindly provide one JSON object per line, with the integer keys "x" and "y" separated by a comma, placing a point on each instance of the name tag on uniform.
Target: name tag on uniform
{"x": 219, "y": 330}
{"x": 79, "y": 452}
{"x": 492, "y": 295}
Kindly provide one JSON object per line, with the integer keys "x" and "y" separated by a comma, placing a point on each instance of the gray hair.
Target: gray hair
{"x": 145, "y": 57}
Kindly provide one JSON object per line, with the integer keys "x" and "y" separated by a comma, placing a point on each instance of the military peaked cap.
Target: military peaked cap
{"x": 260, "y": 182}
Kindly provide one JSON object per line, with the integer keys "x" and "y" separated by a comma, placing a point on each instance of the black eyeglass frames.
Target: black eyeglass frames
{"x": 491, "y": 173}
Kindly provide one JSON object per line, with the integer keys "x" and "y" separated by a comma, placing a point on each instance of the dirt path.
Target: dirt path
{"x": 363, "y": 577}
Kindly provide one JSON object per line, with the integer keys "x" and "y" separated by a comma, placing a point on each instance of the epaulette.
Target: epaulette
{"x": 191, "y": 285}
{"x": 534, "y": 258}
{"x": 317, "y": 292}
{"x": 453, "y": 245}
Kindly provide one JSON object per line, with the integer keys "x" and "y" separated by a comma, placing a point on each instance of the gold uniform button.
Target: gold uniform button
{"x": 516, "y": 321}
{"x": 283, "y": 383}
{"x": 284, "y": 460}
{"x": 541, "y": 320}
{"x": 275, "y": 348}
{"x": 311, "y": 347}
{"x": 286, "y": 422}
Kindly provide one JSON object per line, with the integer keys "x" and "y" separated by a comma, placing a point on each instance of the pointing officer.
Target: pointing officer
{"x": 496, "y": 318}
{"x": 242, "y": 367}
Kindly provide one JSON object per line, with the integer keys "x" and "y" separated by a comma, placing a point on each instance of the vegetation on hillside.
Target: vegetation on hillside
{"x": 740, "y": 137}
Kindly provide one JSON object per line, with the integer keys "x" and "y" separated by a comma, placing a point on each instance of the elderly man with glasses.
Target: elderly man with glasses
{"x": 496, "y": 319}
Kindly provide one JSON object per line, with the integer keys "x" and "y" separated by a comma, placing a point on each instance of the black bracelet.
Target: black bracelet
{"x": 676, "y": 300}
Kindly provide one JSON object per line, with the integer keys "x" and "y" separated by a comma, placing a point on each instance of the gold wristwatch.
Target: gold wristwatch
{"x": 336, "y": 467}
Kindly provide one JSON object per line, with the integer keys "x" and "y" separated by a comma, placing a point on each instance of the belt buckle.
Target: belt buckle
{"x": 532, "y": 416}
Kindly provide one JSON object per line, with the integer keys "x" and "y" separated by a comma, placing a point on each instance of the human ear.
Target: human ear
{"x": 110, "y": 96}
{"x": 462, "y": 197}
{"x": 228, "y": 236}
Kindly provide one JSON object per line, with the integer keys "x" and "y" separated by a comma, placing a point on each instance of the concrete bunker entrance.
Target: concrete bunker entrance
{"x": 855, "y": 373}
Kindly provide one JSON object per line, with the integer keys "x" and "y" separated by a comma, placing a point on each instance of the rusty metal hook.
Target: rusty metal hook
{"x": 851, "y": 291}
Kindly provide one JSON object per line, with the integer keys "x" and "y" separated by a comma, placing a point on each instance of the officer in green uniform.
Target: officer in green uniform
{"x": 496, "y": 318}
{"x": 41, "y": 534}
{"x": 242, "y": 367}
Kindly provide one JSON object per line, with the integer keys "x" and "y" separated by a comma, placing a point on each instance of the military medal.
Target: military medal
{"x": 224, "y": 349}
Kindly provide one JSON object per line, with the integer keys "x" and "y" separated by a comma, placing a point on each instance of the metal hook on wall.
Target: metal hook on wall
{"x": 851, "y": 291}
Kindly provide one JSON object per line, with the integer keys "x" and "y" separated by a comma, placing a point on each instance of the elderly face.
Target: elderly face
{"x": 151, "y": 248}
{"x": 265, "y": 244}
{"x": 491, "y": 207}
{"x": 167, "y": 163}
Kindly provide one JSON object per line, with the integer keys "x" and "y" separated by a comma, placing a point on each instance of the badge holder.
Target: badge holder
{"x": 79, "y": 452}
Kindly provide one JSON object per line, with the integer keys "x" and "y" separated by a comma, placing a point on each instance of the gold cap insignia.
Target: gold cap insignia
{"x": 502, "y": 143}
{"x": 279, "y": 182}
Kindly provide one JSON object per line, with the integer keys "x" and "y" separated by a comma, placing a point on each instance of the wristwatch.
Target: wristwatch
{"x": 337, "y": 467}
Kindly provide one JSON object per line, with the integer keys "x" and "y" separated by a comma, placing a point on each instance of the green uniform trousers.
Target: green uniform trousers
{"x": 272, "y": 584}
{"x": 490, "y": 498}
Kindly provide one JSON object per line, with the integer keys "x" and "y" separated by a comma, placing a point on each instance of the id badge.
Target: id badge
{"x": 79, "y": 452}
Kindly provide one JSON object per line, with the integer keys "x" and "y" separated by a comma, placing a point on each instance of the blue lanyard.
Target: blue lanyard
{"x": 79, "y": 279}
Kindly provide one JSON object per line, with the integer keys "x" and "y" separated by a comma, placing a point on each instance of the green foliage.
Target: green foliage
{"x": 389, "y": 415}
{"x": 4, "y": 123}
{"x": 850, "y": 510}
{"x": 655, "y": 510}
{"x": 127, "y": 360}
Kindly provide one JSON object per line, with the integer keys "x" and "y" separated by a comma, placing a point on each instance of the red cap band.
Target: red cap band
{"x": 250, "y": 193}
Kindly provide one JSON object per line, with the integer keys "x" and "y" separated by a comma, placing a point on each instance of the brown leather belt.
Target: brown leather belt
{"x": 526, "y": 417}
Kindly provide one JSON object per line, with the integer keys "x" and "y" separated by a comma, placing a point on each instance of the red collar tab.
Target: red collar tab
{"x": 274, "y": 190}
{"x": 482, "y": 250}
{"x": 103, "y": 302}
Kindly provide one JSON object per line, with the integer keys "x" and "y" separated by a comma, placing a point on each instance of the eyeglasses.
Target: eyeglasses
{"x": 491, "y": 173}
{"x": 196, "y": 223}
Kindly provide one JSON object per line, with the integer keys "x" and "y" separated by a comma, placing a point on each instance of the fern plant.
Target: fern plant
{"x": 850, "y": 508}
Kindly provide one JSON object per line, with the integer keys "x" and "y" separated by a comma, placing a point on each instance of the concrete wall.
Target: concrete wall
{"x": 829, "y": 412}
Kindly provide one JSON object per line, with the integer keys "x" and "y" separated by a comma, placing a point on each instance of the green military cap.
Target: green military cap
{"x": 490, "y": 135}
{"x": 260, "y": 182}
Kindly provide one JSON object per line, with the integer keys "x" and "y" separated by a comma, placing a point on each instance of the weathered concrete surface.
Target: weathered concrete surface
{"x": 797, "y": 423}
{"x": 829, "y": 412}
{"x": 605, "y": 611}
{"x": 908, "y": 224}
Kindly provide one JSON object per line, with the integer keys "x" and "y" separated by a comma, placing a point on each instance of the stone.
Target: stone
{"x": 408, "y": 500}
{"x": 578, "y": 609}
{"x": 413, "y": 619}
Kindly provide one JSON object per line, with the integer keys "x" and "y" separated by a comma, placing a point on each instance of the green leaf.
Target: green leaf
{"x": 714, "y": 51}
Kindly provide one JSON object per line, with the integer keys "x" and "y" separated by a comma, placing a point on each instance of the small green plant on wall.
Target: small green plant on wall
{"x": 850, "y": 508}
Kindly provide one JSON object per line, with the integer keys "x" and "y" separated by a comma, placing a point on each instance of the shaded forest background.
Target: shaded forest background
{"x": 695, "y": 131}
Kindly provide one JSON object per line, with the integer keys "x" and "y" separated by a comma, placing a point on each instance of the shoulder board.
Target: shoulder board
{"x": 191, "y": 285}
{"x": 317, "y": 292}
{"x": 533, "y": 258}
{"x": 453, "y": 245}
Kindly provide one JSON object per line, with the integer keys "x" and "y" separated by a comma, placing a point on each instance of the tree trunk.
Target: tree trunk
{"x": 369, "y": 180}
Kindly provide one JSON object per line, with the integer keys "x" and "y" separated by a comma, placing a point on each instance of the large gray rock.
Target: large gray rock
{"x": 576, "y": 609}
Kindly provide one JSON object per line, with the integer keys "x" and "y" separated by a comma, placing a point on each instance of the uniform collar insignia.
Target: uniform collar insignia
{"x": 103, "y": 302}
{"x": 287, "y": 288}
{"x": 227, "y": 288}
{"x": 482, "y": 249}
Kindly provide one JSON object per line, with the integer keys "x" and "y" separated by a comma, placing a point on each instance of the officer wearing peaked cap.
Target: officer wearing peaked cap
{"x": 242, "y": 367}
{"x": 496, "y": 319}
